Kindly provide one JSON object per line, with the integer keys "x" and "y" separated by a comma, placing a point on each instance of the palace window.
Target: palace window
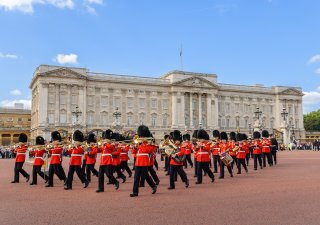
{"x": 142, "y": 103}
{"x": 164, "y": 121}
{"x": 51, "y": 118}
{"x": 51, "y": 98}
{"x": 154, "y": 103}
{"x": 153, "y": 120}
{"x": 104, "y": 101}
{"x": 130, "y": 102}
{"x": 228, "y": 123}
{"x": 141, "y": 119}
{"x": 63, "y": 118}
{"x": 129, "y": 120}
{"x": 117, "y": 101}
{"x": 227, "y": 107}
{"x": 74, "y": 99}
{"x": 62, "y": 99}
{"x": 164, "y": 104}
{"x": 90, "y": 119}
{"x": 104, "y": 118}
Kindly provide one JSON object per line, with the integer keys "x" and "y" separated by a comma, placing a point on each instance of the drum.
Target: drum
{"x": 226, "y": 158}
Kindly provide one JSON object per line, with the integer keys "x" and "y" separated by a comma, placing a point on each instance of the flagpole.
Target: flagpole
{"x": 181, "y": 59}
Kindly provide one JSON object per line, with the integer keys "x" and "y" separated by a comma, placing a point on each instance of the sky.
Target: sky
{"x": 269, "y": 42}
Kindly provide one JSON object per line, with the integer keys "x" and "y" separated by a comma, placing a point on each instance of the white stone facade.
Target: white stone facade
{"x": 177, "y": 100}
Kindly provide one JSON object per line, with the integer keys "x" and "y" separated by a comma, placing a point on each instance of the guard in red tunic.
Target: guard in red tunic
{"x": 233, "y": 146}
{"x": 266, "y": 151}
{"x": 124, "y": 158}
{"x": 224, "y": 147}
{"x": 21, "y": 151}
{"x": 257, "y": 146}
{"x": 116, "y": 157}
{"x": 188, "y": 149}
{"x": 246, "y": 147}
{"x": 38, "y": 154}
{"x": 241, "y": 154}
{"x": 143, "y": 162}
{"x": 76, "y": 153}
{"x": 106, "y": 162}
{"x": 215, "y": 150}
{"x": 56, "y": 159}
{"x": 203, "y": 156}
{"x": 91, "y": 153}
{"x": 176, "y": 166}
{"x": 195, "y": 149}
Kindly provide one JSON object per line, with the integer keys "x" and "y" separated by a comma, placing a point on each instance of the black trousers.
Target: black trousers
{"x": 79, "y": 172}
{"x": 90, "y": 169}
{"x": 195, "y": 167}
{"x": 274, "y": 157}
{"x": 188, "y": 160}
{"x": 243, "y": 163}
{"x": 265, "y": 157}
{"x": 106, "y": 169}
{"x": 56, "y": 169}
{"x": 124, "y": 166}
{"x": 222, "y": 165}
{"x": 247, "y": 158}
{"x": 257, "y": 157}
{"x": 166, "y": 163}
{"x": 37, "y": 170}
{"x": 156, "y": 164}
{"x": 205, "y": 167}
{"x": 134, "y": 163}
{"x": 153, "y": 174}
{"x": 234, "y": 161}
{"x": 174, "y": 169}
{"x": 216, "y": 161}
{"x": 84, "y": 165}
{"x": 141, "y": 172}
{"x": 18, "y": 169}
{"x": 251, "y": 152}
{"x": 117, "y": 169}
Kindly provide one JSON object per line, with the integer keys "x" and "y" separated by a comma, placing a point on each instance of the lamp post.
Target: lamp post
{"x": 284, "y": 114}
{"x": 257, "y": 124}
{"x": 284, "y": 127}
{"x": 250, "y": 131}
{"x": 117, "y": 115}
{"x": 75, "y": 113}
{"x": 258, "y": 113}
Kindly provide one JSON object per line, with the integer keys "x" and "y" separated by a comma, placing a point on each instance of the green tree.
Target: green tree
{"x": 312, "y": 121}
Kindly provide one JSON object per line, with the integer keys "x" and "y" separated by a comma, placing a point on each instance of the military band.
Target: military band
{"x": 176, "y": 148}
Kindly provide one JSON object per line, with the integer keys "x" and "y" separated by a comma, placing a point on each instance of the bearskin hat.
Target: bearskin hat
{"x": 55, "y": 136}
{"x": 265, "y": 134}
{"x": 256, "y": 135}
{"x": 195, "y": 134}
{"x": 223, "y": 136}
{"x": 78, "y": 136}
{"x": 23, "y": 138}
{"x": 239, "y": 137}
{"x": 202, "y": 134}
{"x": 216, "y": 134}
{"x": 171, "y": 135}
{"x": 186, "y": 137}
{"x": 91, "y": 138}
{"x": 143, "y": 131}
{"x": 107, "y": 134}
{"x": 166, "y": 136}
{"x": 232, "y": 136}
{"x": 39, "y": 140}
{"x": 245, "y": 137}
{"x": 177, "y": 135}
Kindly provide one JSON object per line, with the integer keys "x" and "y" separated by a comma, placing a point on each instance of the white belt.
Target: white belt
{"x": 142, "y": 154}
{"x": 241, "y": 151}
{"x": 265, "y": 146}
{"x": 123, "y": 153}
{"x": 21, "y": 153}
{"x": 76, "y": 155}
{"x": 38, "y": 157}
{"x": 203, "y": 153}
{"x": 216, "y": 148}
{"x": 55, "y": 155}
{"x": 106, "y": 155}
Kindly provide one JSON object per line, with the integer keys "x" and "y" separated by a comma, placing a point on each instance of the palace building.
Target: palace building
{"x": 65, "y": 98}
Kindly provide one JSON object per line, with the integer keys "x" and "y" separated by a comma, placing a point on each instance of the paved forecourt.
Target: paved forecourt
{"x": 288, "y": 193}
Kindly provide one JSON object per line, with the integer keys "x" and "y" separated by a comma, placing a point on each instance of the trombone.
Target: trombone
{"x": 137, "y": 139}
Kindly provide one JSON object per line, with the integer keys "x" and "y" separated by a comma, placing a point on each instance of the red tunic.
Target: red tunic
{"x": 216, "y": 148}
{"x": 203, "y": 154}
{"x": 55, "y": 155}
{"x": 245, "y": 146}
{"x": 124, "y": 153}
{"x": 76, "y": 156}
{"x": 91, "y": 156}
{"x": 21, "y": 153}
{"x": 241, "y": 153}
{"x": 106, "y": 156}
{"x": 232, "y": 145}
{"x": 143, "y": 155}
{"x": 38, "y": 157}
{"x": 265, "y": 145}
{"x": 223, "y": 147}
{"x": 256, "y": 144}
{"x": 153, "y": 156}
{"x": 180, "y": 153}
{"x": 116, "y": 156}
{"x": 187, "y": 147}
{"x": 195, "y": 149}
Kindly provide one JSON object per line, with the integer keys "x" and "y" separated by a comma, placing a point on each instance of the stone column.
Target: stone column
{"x": 82, "y": 103}
{"x": 182, "y": 112}
{"x": 174, "y": 110}
{"x": 57, "y": 110}
{"x": 43, "y": 104}
{"x": 69, "y": 115}
{"x": 191, "y": 112}
{"x": 216, "y": 113}
{"x": 209, "y": 113}
{"x": 200, "y": 110}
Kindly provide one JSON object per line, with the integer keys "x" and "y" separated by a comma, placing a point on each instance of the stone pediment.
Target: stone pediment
{"x": 64, "y": 73}
{"x": 196, "y": 82}
{"x": 291, "y": 91}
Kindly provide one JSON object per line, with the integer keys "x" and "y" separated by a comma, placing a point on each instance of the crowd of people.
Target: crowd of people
{"x": 233, "y": 151}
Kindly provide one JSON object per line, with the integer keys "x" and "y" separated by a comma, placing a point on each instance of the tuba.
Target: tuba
{"x": 172, "y": 150}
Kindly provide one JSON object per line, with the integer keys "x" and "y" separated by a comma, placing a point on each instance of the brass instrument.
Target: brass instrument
{"x": 137, "y": 139}
{"x": 171, "y": 150}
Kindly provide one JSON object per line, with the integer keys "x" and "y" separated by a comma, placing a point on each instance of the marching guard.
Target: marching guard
{"x": 143, "y": 162}
{"x": 241, "y": 154}
{"x": 256, "y": 145}
{"x": 177, "y": 166}
{"x": 233, "y": 145}
{"x": 76, "y": 153}
{"x": 195, "y": 149}
{"x": 91, "y": 155}
{"x": 21, "y": 151}
{"x": 215, "y": 153}
{"x": 274, "y": 149}
{"x": 224, "y": 149}
{"x": 38, "y": 154}
{"x": 246, "y": 147}
{"x": 203, "y": 156}
{"x": 266, "y": 143}
{"x": 106, "y": 162}
{"x": 188, "y": 148}
{"x": 116, "y": 158}
{"x": 124, "y": 158}
{"x": 56, "y": 159}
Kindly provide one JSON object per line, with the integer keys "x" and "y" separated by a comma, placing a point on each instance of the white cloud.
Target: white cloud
{"x": 10, "y": 103}
{"x": 311, "y": 101}
{"x": 88, "y": 4}
{"x": 26, "y": 6}
{"x": 9, "y": 56}
{"x": 91, "y": 10}
{"x": 99, "y": 2}
{"x": 15, "y": 92}
{"x": 314, "y": 59}
{"x": 317, "y": 71}
{"x": 66, "y": 59}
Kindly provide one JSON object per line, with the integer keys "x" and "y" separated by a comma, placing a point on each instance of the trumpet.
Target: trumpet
{"x": 137, "y": 139}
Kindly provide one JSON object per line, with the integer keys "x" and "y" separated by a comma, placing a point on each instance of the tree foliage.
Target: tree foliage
{"x": 312, "y": 121}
